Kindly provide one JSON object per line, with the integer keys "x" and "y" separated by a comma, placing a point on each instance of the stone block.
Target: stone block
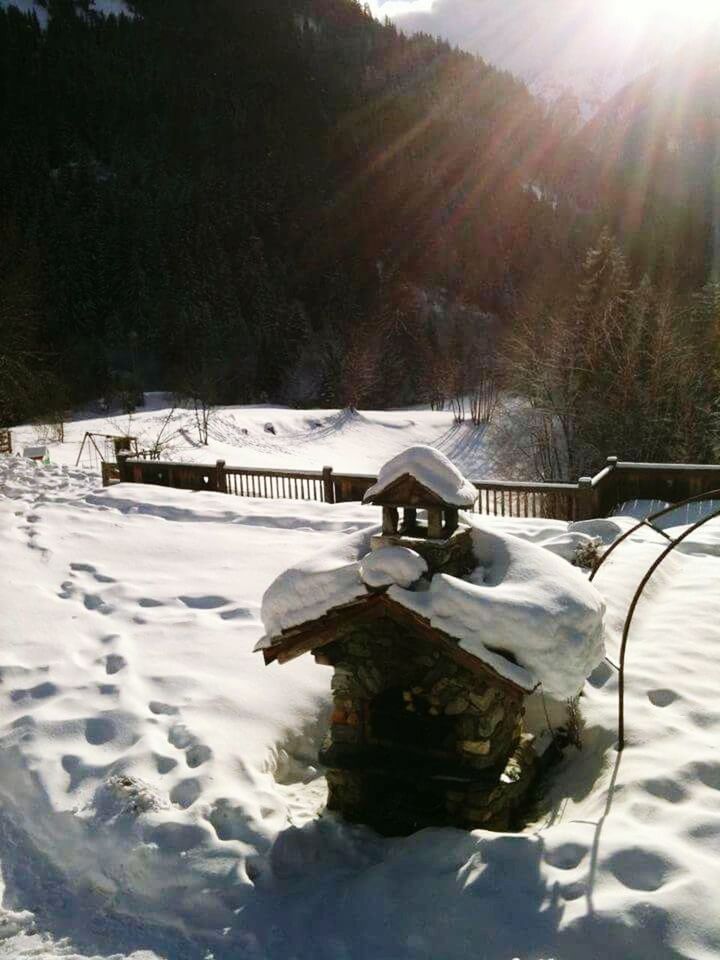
{"x": 456, "y": 707}
{"x": 479, "y": 748}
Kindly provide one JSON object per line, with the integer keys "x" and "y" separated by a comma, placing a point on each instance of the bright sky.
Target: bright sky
{"x": 593, "y": 46}
{"x": 635, "y": 12}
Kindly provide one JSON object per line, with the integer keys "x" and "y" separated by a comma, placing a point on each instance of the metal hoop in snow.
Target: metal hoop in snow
{"x": 638, "y": 593}
{"x": 647, "y": 522}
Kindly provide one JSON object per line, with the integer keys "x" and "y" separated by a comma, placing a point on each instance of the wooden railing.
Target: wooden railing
{"x": 590, "y": 497}
{"x": 5, "y": 441}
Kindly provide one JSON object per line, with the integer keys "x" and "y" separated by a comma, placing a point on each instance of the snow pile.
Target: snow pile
{"x": 433, "y": 470}
{"x": 309, "y": 589}
{"x": 524, "y": 602}
{"x": 388, "y": 565}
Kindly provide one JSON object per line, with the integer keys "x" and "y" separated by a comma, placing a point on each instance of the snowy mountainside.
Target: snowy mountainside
{"x": 158, "y": 786}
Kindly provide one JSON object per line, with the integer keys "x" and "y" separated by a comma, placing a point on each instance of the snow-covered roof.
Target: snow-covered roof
{"x": 523, "y": 601}
{"x": 524, "y": 612}
{"x": 310, "y": 589}
{"x": 432, "y": 470}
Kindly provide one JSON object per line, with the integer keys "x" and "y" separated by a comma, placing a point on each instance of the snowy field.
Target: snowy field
{"x": 158, "y": 794}
{"x": 357, "y": 442}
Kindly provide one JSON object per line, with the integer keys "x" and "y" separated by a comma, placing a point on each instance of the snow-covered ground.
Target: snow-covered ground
{"x": 302, "y": 439}
{"x": 158, "y": 794}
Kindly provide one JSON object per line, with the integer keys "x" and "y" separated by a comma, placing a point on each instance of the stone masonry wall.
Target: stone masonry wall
{"x": 416, "y": 739}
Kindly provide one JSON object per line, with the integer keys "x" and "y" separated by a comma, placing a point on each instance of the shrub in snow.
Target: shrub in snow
{"x": 588, "y": 553}
{"x": 124, "y": 795}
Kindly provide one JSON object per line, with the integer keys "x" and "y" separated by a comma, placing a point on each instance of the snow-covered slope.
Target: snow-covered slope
{"x": 273, "y": 436}
{"x": 158, "y": 796}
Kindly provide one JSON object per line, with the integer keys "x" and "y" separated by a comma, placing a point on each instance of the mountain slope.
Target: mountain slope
{"x": 657, "y": 143}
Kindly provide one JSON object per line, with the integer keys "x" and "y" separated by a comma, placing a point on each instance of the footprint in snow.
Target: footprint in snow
{"x": 204, "y": 603}
{"x": 196, "y": 753}
{"x": 639, "y": 869}
{"x": 164, "y": 764}
{"x": 99, "y": 730}
{"x": 665, "y": 789}
{"x": 114, "y": 663}
{"x": 238, "y": 613}
{"x": 40, "y": 692}
{"x": 662, "y": 698}
{"x": 157, "y": 706}
{"x": 89, "y": 568}
{"x": 186, "y": 792}
{"x": 567, "y": 856}
{"x": 94, "y": 601}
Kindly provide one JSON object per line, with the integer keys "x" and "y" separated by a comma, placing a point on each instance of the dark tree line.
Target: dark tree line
{"x": 229, "y": 194}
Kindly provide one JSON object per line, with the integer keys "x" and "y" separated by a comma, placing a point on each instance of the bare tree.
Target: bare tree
{"x": 485, "y": 389}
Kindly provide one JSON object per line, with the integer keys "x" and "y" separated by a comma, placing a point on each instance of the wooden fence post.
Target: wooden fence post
{"x": 586, "y": 505}
{"x": 123, "y": 468}
{"x": 609, "y": 490}
{"x": 220, "y": 482}
{"x": 328, "y": 484}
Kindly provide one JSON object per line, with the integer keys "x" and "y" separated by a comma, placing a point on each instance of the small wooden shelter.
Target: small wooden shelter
{"x": 423, "y": 732}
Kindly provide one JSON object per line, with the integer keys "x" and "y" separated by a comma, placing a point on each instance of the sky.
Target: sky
{"x": 590, "y": 46}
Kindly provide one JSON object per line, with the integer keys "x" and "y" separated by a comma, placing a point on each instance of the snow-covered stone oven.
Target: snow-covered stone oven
{"x": 436, "y": 635}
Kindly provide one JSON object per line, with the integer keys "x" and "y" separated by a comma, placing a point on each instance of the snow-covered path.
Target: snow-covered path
{"x": 157, "y": 790}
